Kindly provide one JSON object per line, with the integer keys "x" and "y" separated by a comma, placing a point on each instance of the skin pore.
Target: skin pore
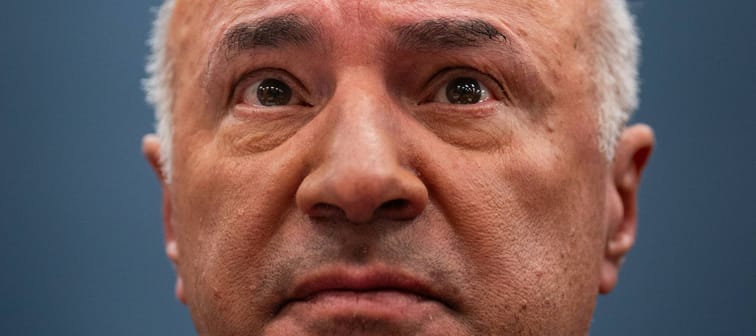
{"x": 499, "y": 217}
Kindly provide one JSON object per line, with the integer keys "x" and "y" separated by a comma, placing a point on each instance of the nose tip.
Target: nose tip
{"x": 361, "y": 193}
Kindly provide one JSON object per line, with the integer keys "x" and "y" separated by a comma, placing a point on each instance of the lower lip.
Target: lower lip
{"x": 379, "y": 304}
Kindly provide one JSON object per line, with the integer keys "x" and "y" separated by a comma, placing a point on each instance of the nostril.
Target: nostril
{"x": 325, "y": 210}
{"x": 398, "y": 209}
{"x": 395, "y": 205}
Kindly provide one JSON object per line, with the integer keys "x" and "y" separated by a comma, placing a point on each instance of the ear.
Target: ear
{"x": 151, "y": 150}
{"x": 633, "y": 150}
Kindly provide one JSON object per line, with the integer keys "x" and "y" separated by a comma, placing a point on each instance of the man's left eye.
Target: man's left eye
{"x": 462, "y": 90}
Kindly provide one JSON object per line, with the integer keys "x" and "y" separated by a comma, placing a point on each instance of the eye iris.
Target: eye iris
{"x": 464, "y": 91}
{"x": 273, "y": 92}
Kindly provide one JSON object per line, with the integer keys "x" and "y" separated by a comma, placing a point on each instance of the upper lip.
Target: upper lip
{"x": 362, "y": 279}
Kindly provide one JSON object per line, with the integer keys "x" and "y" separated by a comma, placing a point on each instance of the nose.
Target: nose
{"x": 361, "y": 172}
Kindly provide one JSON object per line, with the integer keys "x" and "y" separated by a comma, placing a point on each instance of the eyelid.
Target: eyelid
{"x": 252, "y": 77}
{"x": 442, "y": 78}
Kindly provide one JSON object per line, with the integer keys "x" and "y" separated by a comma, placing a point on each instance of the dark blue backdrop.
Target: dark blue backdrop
{"x": 80, "y": 235}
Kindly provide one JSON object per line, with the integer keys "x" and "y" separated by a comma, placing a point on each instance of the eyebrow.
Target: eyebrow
{"x": 272, "y": 32}
{"x": 444, "y": 33}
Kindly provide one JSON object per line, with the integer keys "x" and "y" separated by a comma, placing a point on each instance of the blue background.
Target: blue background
{"x": 80, "y": 235}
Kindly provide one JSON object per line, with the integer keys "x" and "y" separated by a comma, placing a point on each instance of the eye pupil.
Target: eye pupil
{"x": 273, "y": 92}
{"x": 464, "y": 91}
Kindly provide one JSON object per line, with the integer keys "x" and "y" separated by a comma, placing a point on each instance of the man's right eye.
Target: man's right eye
{"x": 269, "y": 92}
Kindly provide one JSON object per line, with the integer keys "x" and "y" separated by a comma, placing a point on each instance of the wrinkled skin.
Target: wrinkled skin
{"x": 505, "y": 210}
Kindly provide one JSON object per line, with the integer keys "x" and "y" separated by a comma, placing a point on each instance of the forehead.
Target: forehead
{"x": 544, "y": 8}
{"x": 203, "y": 21}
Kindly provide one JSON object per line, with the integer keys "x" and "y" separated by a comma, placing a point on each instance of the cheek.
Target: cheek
{"x": 227, "y": 212}
{"x": 529, "y": 223}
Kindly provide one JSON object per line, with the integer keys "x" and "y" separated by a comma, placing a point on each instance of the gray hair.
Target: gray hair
{"x": 615, "y": 48}
{"x": 158, "y": 84}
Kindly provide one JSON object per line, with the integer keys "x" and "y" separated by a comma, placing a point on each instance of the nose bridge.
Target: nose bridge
{"x": 362, "y": 133}
{"x": 361, "y": 172}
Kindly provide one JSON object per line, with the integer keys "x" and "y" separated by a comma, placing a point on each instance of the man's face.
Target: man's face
{"x": 392, "y": 167}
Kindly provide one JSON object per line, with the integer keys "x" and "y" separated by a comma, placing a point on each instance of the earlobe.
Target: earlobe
{"x": 171, "y": 250}
{"x": 633, "y": 151}
{"x": 180, "y": 290}
{"x": 151, "y": 150}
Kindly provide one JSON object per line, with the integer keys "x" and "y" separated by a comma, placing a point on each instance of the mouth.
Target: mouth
{"x": 371, "y": 292}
